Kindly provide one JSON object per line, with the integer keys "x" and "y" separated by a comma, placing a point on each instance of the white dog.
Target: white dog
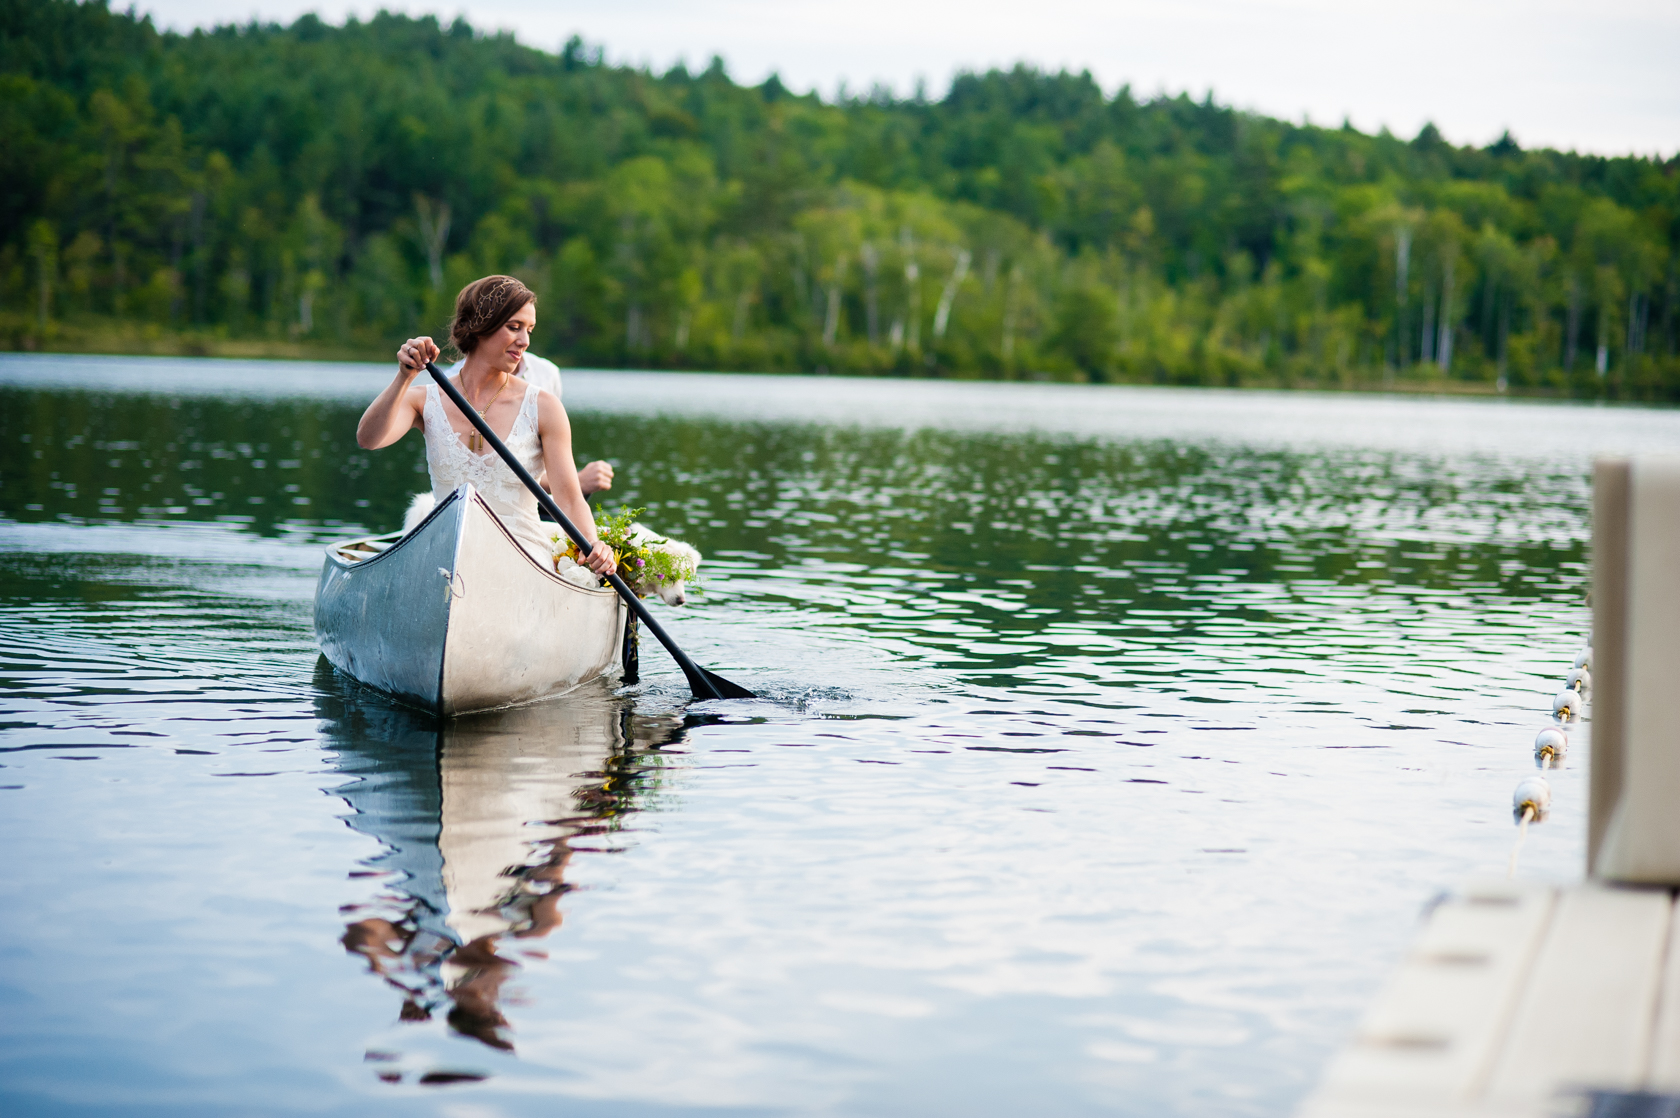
{"x": 673, "y": 592}
{"x": 418, "y": 509}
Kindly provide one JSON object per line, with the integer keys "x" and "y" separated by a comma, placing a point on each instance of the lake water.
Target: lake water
{"x": 1113, "y": 741}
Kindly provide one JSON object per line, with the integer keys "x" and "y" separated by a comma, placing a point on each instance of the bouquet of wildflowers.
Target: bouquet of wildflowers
{"x": 645, "y": 568}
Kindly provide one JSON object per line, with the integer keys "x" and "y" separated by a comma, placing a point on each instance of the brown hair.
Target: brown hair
{"x": 482, "y": 307}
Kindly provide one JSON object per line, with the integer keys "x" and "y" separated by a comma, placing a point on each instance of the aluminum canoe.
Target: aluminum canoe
{"x": 455, "y": 616}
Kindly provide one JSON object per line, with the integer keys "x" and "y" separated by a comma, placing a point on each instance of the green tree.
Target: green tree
{"x": 296, "y": 188}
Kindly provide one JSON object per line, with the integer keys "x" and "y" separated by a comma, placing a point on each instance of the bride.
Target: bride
{"x": 494, "y": 317}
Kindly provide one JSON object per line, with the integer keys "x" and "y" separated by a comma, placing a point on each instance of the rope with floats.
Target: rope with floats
{"x": 1531, "y": 802}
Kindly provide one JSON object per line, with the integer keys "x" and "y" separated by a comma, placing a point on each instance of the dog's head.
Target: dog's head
{"x": 674, "y": 592}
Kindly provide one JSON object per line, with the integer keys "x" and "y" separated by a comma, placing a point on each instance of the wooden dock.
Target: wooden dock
{"x": 1521, "y": 1001}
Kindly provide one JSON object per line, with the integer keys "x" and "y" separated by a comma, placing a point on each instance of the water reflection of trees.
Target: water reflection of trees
{"x": 477, "y": 818}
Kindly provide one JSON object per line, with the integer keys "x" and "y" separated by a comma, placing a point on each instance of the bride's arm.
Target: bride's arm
{"x": 555, "y": 430}
{"x": 394, "y": 411}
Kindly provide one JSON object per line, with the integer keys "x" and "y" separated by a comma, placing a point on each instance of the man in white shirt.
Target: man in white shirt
{"x": 540, "y": 372}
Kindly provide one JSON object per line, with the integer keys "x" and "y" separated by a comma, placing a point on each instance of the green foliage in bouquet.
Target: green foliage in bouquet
{"x": 644, "y": 568}
{"x": 616, "y": 528}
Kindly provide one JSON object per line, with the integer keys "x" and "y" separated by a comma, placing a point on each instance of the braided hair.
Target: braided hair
{"x": 482, "y": 307}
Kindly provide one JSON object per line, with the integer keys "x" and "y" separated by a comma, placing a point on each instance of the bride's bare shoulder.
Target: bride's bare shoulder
{"x": 549, "y": 407}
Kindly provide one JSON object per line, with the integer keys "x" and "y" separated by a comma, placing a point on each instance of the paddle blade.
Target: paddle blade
{"x": 710, "y": 685}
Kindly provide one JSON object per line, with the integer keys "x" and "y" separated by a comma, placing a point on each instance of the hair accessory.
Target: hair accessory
{"x": 489, "y": 303}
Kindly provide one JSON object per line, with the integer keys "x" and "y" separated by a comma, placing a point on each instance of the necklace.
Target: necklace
{"x": 475, "y": 441}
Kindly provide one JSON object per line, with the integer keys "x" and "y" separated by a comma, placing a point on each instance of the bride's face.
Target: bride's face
{"x": 506, "y": 347}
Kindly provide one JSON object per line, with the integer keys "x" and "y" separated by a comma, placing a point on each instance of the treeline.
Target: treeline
{"x": 332, "y": 187}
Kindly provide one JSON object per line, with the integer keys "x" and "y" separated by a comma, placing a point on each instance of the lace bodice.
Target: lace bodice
{"x": 451, "y": 464}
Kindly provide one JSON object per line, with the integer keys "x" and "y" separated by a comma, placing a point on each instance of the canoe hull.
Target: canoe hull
{"x": 456, "y": 617}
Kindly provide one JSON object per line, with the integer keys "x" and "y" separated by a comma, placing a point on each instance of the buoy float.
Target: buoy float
{"x": 1583, "y": 658}
{"x": 1551, "y": 746}
{"x": 1566, "y": 707}
{"x": 1532, "y": 801}
{"x": 1579, "y": 680}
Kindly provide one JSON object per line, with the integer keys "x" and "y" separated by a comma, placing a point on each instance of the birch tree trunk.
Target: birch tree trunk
{"x": 1011, "y": 304}
{"x": 1123, "y": 308}
{"x": 799, "y": 289}
{"x": 831, "y": 321}
{"x": 1504, "y": 341}
{"x": 1443, "y": 346}
{"x": 913, "y": 294}
{"x": 1426, "y": 336}
{"x": 1402, "y": 279}
{"x": 177, "y": 247}
{"x": 1671, "y": 296}
{"x": 1572, "y": 325}
{"x": 434, "y": 234}
{"x": 871, "y": 261}
{"x": 43, "y": 246}
{"x": 1602, "y": 364}
{"x": 942, "y": 316}
{"x": 739, "y": 326}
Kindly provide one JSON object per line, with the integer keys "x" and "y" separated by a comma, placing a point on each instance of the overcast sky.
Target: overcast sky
{"x": 1593, "y": 75}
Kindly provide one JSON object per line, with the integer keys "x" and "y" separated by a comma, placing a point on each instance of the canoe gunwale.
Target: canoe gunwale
{"x": 404, "y": 537}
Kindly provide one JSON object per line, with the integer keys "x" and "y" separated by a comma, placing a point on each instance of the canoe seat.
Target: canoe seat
{"x": 362, "y": 550}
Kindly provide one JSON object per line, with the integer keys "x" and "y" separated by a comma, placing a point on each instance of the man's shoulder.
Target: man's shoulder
{"x": 542, "y": 373}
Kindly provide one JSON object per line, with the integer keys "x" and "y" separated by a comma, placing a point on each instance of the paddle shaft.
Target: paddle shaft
{"x": 704, "y": 684}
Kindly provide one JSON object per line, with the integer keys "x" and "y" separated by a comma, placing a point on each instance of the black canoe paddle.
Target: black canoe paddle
{"x": 704, "y": 684}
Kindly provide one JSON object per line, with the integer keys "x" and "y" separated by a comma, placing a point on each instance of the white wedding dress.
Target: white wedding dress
{"x": 452, "y": 465}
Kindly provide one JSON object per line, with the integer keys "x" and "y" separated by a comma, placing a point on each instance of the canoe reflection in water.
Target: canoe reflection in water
{"x": 477, "y": 815}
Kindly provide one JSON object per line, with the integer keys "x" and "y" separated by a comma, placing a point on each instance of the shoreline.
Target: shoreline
{"x": 145, "y": 341}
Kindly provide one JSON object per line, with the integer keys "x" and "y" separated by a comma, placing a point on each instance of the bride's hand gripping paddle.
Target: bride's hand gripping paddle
{"x": 704, "y": 684}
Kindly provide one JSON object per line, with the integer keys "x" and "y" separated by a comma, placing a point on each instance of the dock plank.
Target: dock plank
{"x": 1587, "y": 1012}
{"x": 1430, "y": 1038}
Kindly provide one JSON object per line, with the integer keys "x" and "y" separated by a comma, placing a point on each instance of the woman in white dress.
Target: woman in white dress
{"x": 494, "y": 317}
{"x": 543, "y": 373}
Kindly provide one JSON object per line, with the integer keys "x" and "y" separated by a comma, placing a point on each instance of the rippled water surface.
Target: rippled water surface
{"x": 1112, "y": 742}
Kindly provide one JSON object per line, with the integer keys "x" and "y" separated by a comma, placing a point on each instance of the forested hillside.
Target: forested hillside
{"x": 319, "y": 189}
